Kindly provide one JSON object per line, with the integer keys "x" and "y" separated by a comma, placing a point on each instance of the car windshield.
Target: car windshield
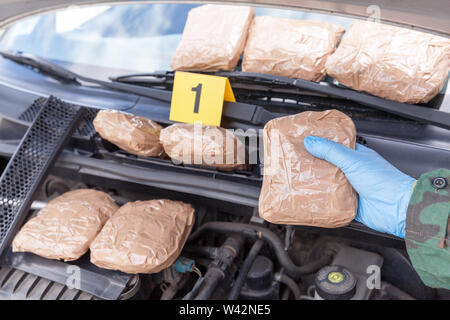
{"x": 120, "y": 38}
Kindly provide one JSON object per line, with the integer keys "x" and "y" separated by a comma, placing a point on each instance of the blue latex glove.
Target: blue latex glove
{"x": 383, "y": 191}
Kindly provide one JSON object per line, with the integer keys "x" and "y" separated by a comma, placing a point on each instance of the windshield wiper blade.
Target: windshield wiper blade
{"x": 66, "y": 75}
{"x": 410, "y": 111}
{"x": 43, "y": 65}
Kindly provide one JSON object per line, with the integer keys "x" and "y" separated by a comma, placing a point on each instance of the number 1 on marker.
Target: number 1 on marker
{"x": 198, "y": 92}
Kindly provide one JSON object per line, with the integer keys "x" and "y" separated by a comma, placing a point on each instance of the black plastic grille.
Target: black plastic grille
{"x": 99, "y": 282}
{"x": 32, "y": 111}
{"x": 86, "y": 129}
{"x": 29, "y": 165}
{"x": 19, "y": 285}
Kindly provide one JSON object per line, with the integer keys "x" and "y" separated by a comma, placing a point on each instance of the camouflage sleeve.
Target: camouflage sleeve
{"x": 428, "y": 228}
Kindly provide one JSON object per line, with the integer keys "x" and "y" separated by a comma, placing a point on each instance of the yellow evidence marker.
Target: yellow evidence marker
{"x": 198, "y": 98}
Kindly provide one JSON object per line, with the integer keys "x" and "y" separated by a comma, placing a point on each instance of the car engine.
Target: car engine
{"x": 231, "y": 252}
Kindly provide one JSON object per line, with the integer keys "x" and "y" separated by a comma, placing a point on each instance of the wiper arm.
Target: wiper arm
{"x": 43, "y": 65}
{"x": 66, "y": 75}
{"x": 410, "y": 111}
{"x": 414, "y": 112}
{"x": 233, "y": 110}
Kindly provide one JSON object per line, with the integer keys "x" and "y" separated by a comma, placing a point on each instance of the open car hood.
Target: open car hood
{"x": 431, "y": 16}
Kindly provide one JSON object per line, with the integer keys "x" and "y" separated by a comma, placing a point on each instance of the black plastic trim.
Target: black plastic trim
{"x": 30, "y": 163}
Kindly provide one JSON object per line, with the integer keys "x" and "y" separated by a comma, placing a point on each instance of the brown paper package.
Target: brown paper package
{"x": 143, "y": 236}
{"x": 137, "y": 135}
{"x": 299, "y": 189}
{"x": 180, "y": 142}
{"x": 213, "y": 38}
{"x": 290, "y": 48}
{"x": 391, "y": 62}
{"x": 67, "y": 225}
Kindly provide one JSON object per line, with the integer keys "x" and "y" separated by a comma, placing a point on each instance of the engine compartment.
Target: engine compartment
{"x": 219, "y": 246}
{"x": 228, "y": 237}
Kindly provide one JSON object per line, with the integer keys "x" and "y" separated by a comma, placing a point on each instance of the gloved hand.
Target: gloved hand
{"x": 383, "y": 191}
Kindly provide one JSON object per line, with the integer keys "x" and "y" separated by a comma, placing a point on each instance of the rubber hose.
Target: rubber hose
{"x": 212, "y": 280}
{"x": 248, "y": 262}
{"x": 210, "y": 252}
{"x": 216, "y": 271}
{"x": 290, "y": 283}
{"x": 285, "y": 294}
{"x": 195, "y": 289}
{"x": 272, "y": 239}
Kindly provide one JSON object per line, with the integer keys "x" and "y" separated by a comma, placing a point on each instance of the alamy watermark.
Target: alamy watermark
{"x": 374, "y": 13}
{"x": 74, "y": 279}
{"x": 236, "y": 146}
{"x": 374, "y": 279}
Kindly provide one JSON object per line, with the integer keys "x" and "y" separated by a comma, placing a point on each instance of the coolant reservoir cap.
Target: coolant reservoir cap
{"x": 335, "y": 283}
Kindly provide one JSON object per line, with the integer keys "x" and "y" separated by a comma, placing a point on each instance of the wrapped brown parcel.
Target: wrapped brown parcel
{"x": 204, "y": 145}
{"x": 213, "y": 38}
{"x": 143, "y": 236}
{"x": 67, "y": 225}
{"x": 290, "y": 48}
{"x": 298, "y": 188}
{"x": 391, "y": 62}
{"x": 135, "y": 134}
